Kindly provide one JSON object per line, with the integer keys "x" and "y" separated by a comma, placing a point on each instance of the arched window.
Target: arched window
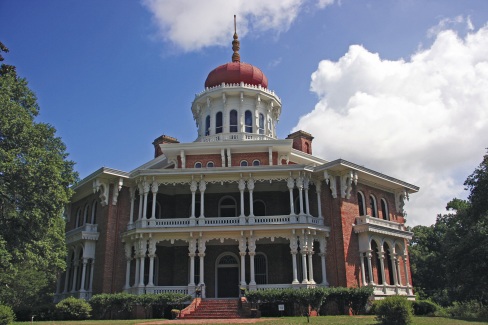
{"x": 307, "y": 147}
{"x": 86, "y": 214}
{"x": 227, "y": 207}
{"x": 384, "y": 210}
{"x": 233, "y": 121}
{"x": 78, "y": 218}
{"x": 256, "y": 162}
{"x": 248, "y": 121}
{"x": 207, "y": 125}
{"x": 362, "y": 212}
{"x": 261, "y": 123}
{"x": 244, "y": 163}
{"x": 198, "y": 164}
{"x": 376, "y": 264}
{"x": 210, "y": 164}
{"x": 93, "y": 220}
{"x": 261, "y": 268}
{"x": 149, "y": 208}
{"x": 218, "y": 123}
{"x": 388, "y": 264}
{"x": 259, "y": 208}
{"x": 373, "y": 206}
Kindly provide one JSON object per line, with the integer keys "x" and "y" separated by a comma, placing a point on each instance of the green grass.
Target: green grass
{"x": 326, "y": 320}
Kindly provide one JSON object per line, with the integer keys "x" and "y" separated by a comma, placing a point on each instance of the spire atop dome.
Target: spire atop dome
{"x": 236, "y": 44}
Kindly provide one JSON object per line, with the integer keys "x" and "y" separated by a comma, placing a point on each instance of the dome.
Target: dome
{"x": 236, "y": 72}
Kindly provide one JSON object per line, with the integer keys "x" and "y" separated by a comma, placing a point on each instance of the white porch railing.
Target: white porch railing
{"x": 274, "y": 286}
{"x": 387, "y": 290}
{"x": 167, "y": 289}
{"x": 87, "y": 232}
{"x": 212, "y": 222}
{"x": 234, "y": 137}
{"x": 379, "y": 222}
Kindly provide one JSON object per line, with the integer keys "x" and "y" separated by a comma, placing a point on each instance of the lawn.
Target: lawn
{"x": 326, "y": 320}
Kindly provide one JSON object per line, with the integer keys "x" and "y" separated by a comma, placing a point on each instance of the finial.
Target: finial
{"x": 236, "y": 44}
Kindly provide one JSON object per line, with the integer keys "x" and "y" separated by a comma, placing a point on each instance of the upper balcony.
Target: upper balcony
{"x": 85, "y": 232}
{"x": 380, "y": 226}
{"x": 169, "y": 224}
{"x": 240, "y": 136}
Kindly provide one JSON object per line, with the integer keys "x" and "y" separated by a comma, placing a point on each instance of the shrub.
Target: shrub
{"x": 116, "y": 305}
{"x": 73, "y": 309}
{"x": 394, "y": 310}
{"x": 468, "y": 309}
{"x": 425, "y": 308}
{"x": 7, "y": 315}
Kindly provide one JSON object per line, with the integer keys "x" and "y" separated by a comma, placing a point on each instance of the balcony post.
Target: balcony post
{"x": 193, "y": 189}
{"x": 201, "y": 254}
{"x": 299, "y": 182}
{"x": 152, "y": 255}
{"x": 303, "y": 251}
{"x": 405, "y": 269}
{"x": 251, "y": 245}
{"x": 132, "y": 192}
{"x": 323, "y": 254}
{"x": 141, "y": 199}
{"x": 83, "y": 274}
{"x": 294, "y": 252}
{"x": 242, "y": 253}
{"x": 242, "y": 187}
{"x": 202, "y": 187}
{"x": 291, "y": 185}
{"x": 154, "y": 190}
{"x": 191, "y": 253}
{"x": 142, "y": 248}
{"x": 75, "y": 273}
{"x": 250, "y": 187}
{"x": 318, "y": 189}
{"x": 382, "y": 268}
{"x": 92, "y": 269}
{"x": 362, "y": 255}
{"x": 306, "y": 183}
{"x": 310, "y": 265}
{"x": 146, "y": 192}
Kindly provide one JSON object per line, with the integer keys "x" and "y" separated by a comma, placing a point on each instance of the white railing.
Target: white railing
{"x": 274, "y": 286}
{"x": 85, "y": 228}
{"x": 238, "y": 136}
{"x": 167, "y": 289}
{"x": 379, "y": 222}
{"x": 213, "y": 221}
{"x": 382, "y": 290}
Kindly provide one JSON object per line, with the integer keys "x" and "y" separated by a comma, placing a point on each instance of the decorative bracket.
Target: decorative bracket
{"x": 346, "y": 183}
{"x": 400, "y": 197}
{"x": 330, "y": 179}
{"x": 117, "y": 188}
{"x": 102, "y": 186}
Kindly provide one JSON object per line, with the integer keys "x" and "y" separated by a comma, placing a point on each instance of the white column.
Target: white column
{"x": 154, "y": 190}
{"x": 193, "y": 189}
{"x": 323, "y": 254}
{"x": 399, "y": 272}
{"x": 141, "y": 200}
{"x": 229, "y": 158}
{"x": 83, "y": 274}
{"x": 222, "y": 156}
{"x": 291, "y": 185}
{"x": 405, "y": 269}
{"x": 201, "y": 254}
{"x": 92, "y": 268}
{"x": 192, "y": 248}
{"x": 242, "y": 253}
{"x": 310, "y": 266}
{"x": 382, "y": 266}
{"x": 251, "y": 246}
{"x": 66, "y": 279}
{"x": 394, "y": 268}
{"x": 362, "y": 255}
{"x": 136, "y": 275}
{"x": 132, "y": 192}
{"x": 306, "y": 183}
{"x": 142, "y": 245}
{"x": 318, "y": 189}
{"x": 146, "y": 191}
{"x": 294, "y": 252}
{"x": 202, "y": 187}
{"x": 152, "y": 255}
{"x": 128, "y": 257}
{"x": 300, "y": 193}
{"x": 75, "y": 274}
{"x": 242, "y": 187}
{"x": 250, "y": 187}
{"x": 370, "y": 267}
{"x": 303, "y": 251}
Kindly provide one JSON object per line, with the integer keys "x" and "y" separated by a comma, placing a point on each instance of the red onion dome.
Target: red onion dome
{"x": 236, "y": 72}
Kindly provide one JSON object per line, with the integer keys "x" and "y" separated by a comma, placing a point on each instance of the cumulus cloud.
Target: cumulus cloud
{"x": 422, "y": 120}
{"x": 193, "y": 25}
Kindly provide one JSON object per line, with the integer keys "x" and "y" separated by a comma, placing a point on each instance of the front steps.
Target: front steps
{"x": 211, "y": 309}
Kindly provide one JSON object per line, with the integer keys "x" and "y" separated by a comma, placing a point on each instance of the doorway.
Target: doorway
{"x": 227, "y": 276}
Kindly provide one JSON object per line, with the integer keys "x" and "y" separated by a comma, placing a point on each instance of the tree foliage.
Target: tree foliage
{"x": 450, "y": 258}
{"x": 35, "y": 179}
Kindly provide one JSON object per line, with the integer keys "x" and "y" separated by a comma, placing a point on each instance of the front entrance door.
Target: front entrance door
{"x": 227, "y": 276}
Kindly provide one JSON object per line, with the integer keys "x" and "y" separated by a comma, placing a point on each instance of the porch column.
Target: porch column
{"x": 362, "y": 255}
{"x": 382, "y": 267}
{"x": 136, "y": 276}
{"x": 83, "y": 274}
{"x": 303, "y": 251}
{"x": 146, "y": 192}
{"x": 310, "y": 265}
{"x": 142, "y": 246}
{"x": 75, "y": 274}
{"x": 294, "y": 252}
{"x": 306, "y": 183}
{"x": 192, "y": 248}
{"x": 152, "y": 255}
{"x": 128, "y": 257}
{"x": 250, "y": 188}
{"x": 92, "y": 268}
{"x": 318, "y": 189}
{"x": 323, "y": 254}
{"x": 201, "y": 254}
{"x": 370, "y": 267}
{"x": 202, "y": 187}
{"x": 300, "y": 193}
{"x": 242, "y": 253}
{"x": 193, "y": 189}
{"x": 405, "y": 269}
{"x": 154, "y": 190}
{"x": 394, "y": 264}
{"x": 291, "y": 185}
{"x": 141, "y": 200}
{"x": 251, "y": 246}
{"x": 132, "y": 192}
{"x": 222, "y": 156}
{"x": 66, "y": 278}
{"x": 399, "y": 272}
{"x": 242, "y": 187}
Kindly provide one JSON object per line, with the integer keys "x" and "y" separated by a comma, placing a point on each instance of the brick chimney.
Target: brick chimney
{"x": 301, "y": 141}
{"x": 162, "y": 140}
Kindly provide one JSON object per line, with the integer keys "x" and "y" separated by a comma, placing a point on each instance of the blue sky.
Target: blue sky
{"x": 371, "y": 80}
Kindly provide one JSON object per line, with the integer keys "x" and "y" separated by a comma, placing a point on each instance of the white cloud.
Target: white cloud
{"x": 193, "y": 25}
{"x": 422, "y": 120}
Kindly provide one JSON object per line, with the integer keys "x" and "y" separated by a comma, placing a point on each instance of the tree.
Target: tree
{"x": 35, "y": 179}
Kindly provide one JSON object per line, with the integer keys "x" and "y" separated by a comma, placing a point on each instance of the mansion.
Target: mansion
{"x": 236, "y": 208}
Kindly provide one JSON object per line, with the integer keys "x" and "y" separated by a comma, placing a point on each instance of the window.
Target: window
{"x": 207, "y": 125}
{"x": 198, "y": 164}
{"x": 362, "y": 212}
{"x": 256, "y": 163}
{"x": 372, "y": 205}
{"x": 260, "y": 269}
{"x": 78, "y": 218}
{"x": 233, "y": 121}
{"x": 196, "y": 277}
{"x": 259, "y": 208}
{"x": 244, "y": 163}
{"x": 261, "y": 123}
{"x": 218, "y": 123}
{"x": 384, "y": 210}
{"x": 94, "y": 213}
{"x": 210, "y": 164}
{"x": 248, "y": 121}
{"x": 227, "y": 207}
{"x": 86, "y": 214}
